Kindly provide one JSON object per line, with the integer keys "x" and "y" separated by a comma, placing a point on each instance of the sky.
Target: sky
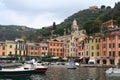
{"x": 42, "y": 13}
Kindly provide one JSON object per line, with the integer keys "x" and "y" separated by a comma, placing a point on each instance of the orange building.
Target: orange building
{"x": 56, "y": 48}
{"x": 3, "y": 48}
{"x": 111, "y": 47}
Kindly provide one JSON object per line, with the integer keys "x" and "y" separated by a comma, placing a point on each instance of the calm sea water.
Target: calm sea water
{"x": 62, "y": 73}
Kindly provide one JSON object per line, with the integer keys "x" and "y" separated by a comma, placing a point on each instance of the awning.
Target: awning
{"x": 55, "y": 57}
{"x": 65, "y": 58}
{"x": 91, "y": 60}
{"x": 81, "y": 57}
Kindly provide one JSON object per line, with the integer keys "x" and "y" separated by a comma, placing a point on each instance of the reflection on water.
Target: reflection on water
{"x": 62, "y": 73}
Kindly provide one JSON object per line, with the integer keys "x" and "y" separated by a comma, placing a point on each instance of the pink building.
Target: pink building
{"x": 33, "y": 50}
{"x": 83, "y": 49}
{"x": 110, "y": 50}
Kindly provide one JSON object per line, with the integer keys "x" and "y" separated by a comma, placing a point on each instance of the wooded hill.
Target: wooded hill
{"x": 88, "y": 19}
{"x": 11, "y": 32}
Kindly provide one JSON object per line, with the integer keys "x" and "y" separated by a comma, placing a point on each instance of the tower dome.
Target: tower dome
{"x": 74, "y": 26}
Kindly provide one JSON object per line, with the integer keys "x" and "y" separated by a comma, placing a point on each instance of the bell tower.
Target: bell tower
{"x": 74, "y": 26}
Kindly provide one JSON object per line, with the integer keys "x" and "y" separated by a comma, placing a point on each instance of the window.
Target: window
{"x": 92, "y": 47}
{"x": 119, "y": 37}
{"x": 110, "y": 54}
{"x": 109, "y": 45}
{"x": 98, "y": 54}
{"x": 112, "y": 37}
{"x": 16, "y": 47}
{"x": 92, "y": 40}
{"x": 51, "y": 50}
{"x": 113, "y": 45}
{"x": 82, "y": 53}
{"x": 31, "y": 53}
{"x": 104, "y": 39}
{"x": 61, "y": 50}
{"x": 10, "y": 46}
{"x": 10, "y": 53}
{"x": 35, "y": 53}
{"x": 19, "y": 52}
{"x": 3, "y": 53}
{"x": 31, "y": 48}
{"x": 45, "y": 48}
{"x": 97, "y": 46}
{"x": 50, "y": 44}
{"x": 87, "y": 53}
{"x": 104, "y": 46}
{"x": 119, "y": 53}
{"x": 92, "y": 53}
{"x": 96, "y": 40}
{"x": 87, "y": 47}
{"x": 119, "y": 45}
{"x": 36, "y": 48}
{"x": 104, "y": 53}
{"x": 3, "y": 48}
{"x": 99, "y": 40}
{"x": 24, "y": 52}
{"x": 113, "y": 53}
{"x": 16, "y": 52}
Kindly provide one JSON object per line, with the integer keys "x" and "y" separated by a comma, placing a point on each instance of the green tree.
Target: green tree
{"x": 118, "y": 21}
{"x": 54, "y": 26}
{"x": 103, "y": 7}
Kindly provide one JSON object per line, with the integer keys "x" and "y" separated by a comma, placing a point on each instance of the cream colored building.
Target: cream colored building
{"x": 70, "y": 41}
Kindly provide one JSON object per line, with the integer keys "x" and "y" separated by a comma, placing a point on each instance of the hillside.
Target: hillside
{"x": 10, "y": 32}
{"x": 90, "y": 20}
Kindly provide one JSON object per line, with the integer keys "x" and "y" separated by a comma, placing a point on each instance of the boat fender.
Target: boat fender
{"x": 0, "y": 67}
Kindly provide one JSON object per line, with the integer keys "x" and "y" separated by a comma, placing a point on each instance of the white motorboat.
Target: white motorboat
{"x": 113, "y": 72}
{"x": 20, "y": 70}
{"x": 39, "y": 67}
{"x": 71, "y": 65}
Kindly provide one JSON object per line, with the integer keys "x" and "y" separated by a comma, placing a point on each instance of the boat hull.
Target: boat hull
{"x": 16, "y": 73}
{"x": 40, "y": 70}
{"x": 71, "y": 67}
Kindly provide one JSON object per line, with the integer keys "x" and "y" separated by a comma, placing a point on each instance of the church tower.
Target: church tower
{"x": 74, "y": 26}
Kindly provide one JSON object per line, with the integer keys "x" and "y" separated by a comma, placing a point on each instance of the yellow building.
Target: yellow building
{"x": 10, "y": 48}
{"x": 95, "y": 48}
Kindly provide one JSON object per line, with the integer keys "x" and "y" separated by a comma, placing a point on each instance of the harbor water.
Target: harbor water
{"x": 60, "y": 72}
